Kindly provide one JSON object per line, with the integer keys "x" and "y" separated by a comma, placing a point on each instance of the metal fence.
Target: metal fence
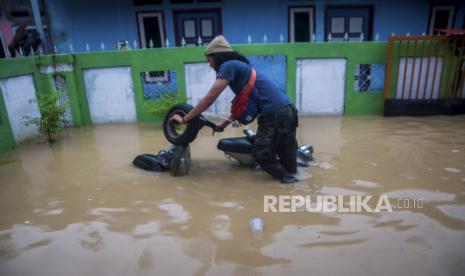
{"x": 425, "y": 67}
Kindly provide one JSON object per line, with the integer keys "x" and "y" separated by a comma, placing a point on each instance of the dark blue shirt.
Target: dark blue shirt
{"x": 270, "y": 97}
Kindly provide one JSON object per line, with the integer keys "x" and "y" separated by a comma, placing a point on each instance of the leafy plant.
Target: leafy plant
{"x": 160, "y": 106}
{"x": 51, "y": 121}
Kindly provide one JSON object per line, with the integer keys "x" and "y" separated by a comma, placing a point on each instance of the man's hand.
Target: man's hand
{"x": 177, "y": 119}
{"x": 222, "y": 126}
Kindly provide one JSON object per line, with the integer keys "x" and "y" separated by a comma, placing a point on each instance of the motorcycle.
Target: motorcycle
{"x": 177, "y": 157}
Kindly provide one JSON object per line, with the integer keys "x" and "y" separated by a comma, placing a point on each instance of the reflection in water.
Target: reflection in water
{"x": 81, "y": 208}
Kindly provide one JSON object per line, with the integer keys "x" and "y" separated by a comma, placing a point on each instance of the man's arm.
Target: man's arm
{"x": 216, "y": 89}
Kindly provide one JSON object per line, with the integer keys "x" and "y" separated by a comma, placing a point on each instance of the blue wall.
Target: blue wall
{"x": 108, "y": 21}
{"x": 92, "y": 22}
{"x": 255, "y": 18}
{"x": 273, "y": 67}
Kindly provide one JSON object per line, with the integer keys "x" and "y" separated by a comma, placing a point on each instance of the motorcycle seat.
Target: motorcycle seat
{"x": 236, "y": 144}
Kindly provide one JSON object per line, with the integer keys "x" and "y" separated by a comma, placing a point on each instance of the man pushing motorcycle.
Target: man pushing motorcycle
{"x": 256, "y": 96}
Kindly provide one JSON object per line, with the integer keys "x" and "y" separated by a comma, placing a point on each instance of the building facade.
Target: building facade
{"x": 87, "y": 24}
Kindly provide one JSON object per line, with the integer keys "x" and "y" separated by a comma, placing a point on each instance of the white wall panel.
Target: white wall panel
{"x": 19, "y": 95}
{"x": 199, "y": 79}
{"x": 110, "y": 95}
{"x": 411, "y": 93}
{"x": 320, "y": 86}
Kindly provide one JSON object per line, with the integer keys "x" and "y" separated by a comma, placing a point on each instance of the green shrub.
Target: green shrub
{"x": 52, "y": 109}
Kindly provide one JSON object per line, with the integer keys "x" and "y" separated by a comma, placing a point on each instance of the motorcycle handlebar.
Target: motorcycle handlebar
{"x": 205, "y": 122}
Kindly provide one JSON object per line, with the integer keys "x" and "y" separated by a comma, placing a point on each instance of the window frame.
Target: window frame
{"x": 291, "y": 20}
{"x": 140, "y": 26}
{"x": 180, "y": 12}
{"x": 212, "y": 26}
{"x": 432, "y": 16}
{"x": 371, "y": 11}
{"x": 196, "y": 31}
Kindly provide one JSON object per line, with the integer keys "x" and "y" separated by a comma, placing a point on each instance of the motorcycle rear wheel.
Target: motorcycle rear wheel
{"x": 172, "y": 131}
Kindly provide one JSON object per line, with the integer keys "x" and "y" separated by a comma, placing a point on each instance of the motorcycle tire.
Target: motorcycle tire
{"x": 190, "y": 131}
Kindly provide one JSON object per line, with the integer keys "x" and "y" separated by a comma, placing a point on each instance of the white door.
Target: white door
{"x": 320, "y": 86}
{"x": 110, "y": 95}
{"x": 199, "y": 79}
{"x": 19, "y": 95}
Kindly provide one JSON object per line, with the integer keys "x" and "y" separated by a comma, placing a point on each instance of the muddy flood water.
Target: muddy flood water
{"x": 81, "y": 207}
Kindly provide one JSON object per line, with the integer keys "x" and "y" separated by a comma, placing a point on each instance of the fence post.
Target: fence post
{"x": 387, "y": 87}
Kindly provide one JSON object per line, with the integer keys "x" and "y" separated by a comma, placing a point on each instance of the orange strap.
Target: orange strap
{"x": 239, "y": 104}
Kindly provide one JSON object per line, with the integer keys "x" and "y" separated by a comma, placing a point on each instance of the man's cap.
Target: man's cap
{"x": 217, "y": 45}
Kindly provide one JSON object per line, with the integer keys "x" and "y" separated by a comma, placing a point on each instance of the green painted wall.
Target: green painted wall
{"x": 9, "y": 68}
{"x": 159, "y": 59}
{"x": 174, "y": 59}
{"x": 7, "y": 142}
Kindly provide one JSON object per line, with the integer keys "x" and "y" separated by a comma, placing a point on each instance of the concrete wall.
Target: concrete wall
{"x": 199, "y": 78}
{"x": 84, "y": 21}
{"x": 7, "y": 141}
{"x": 110, "y": 95}
{"x": 320, "y": 86}
{"x": 107, "y": 87}
{"x": 60, "y": 84}
{"x": 19, "y": 96}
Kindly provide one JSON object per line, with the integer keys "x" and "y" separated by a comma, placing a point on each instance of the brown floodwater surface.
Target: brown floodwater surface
{"x": 81, "y": 208}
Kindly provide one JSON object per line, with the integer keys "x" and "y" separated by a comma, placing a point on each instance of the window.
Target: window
{"x": 369, "y": 77}
{"x": 151, "y": 29}
{"x": 337, "y": 25}
{"x": 191, "y": 25}
{"x": 151, "y": 33}
{"x": 355, "y": 24}
{"x": 301, "y": 24}
{"x": 189, "y": 28}
{"x": 20, "y": 12}
{"x": 206, "y": 25}
{"x": 348, "y": 22}
{"x": 442, "y": 17}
